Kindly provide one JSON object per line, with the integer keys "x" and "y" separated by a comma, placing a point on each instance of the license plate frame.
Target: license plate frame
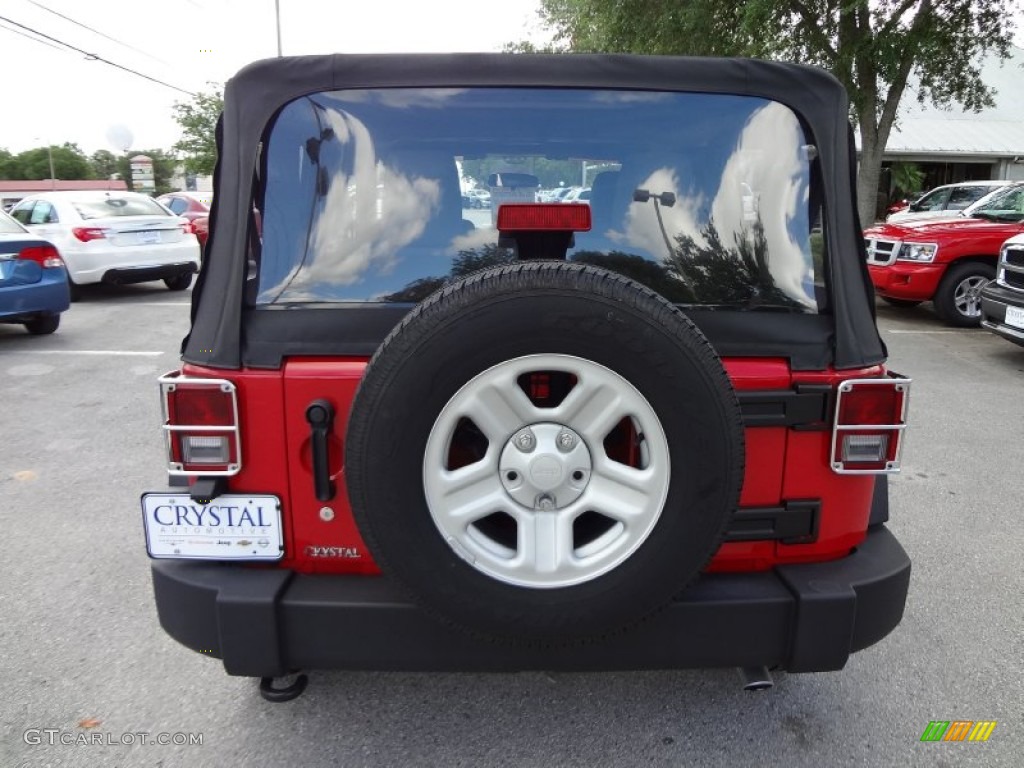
{"x": 236, "y": 527}
{"x": 147, "y": 237}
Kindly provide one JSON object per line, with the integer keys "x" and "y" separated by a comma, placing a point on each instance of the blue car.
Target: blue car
{"x": 33, "y": 280}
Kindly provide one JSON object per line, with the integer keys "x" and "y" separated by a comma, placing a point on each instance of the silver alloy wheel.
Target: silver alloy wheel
{"x": 568, "y": 511}
{"x": 967, "y": 295}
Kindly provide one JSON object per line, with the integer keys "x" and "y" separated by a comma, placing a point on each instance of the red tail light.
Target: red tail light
{"x": 543, "y": 217}
{"x": 871, "y": 416}
{"x": 200, "y": 425}
{"x": 45, "y": 256}
{"x": 85, "y": 234}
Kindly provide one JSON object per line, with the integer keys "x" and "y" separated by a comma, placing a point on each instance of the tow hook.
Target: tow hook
{"x": 755, "y": 678}
{"x": 278, "y": 694}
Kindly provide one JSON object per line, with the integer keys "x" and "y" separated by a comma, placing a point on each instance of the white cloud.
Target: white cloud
{"x": 764, "y": 178}
{"x": 346, "y": 242}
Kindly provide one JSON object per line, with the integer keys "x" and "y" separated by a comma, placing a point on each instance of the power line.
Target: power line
{"x": 29, "y": 37}
{"x": 96, "y": 31}
{"x": 95, "y": 57}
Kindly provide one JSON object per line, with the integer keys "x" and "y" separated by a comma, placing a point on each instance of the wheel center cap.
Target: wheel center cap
{"x": 545, "y": 466}
{"x": 546, "y": 472}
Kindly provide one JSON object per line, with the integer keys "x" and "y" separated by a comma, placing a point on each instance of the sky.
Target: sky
{"x": 54, "y": 95}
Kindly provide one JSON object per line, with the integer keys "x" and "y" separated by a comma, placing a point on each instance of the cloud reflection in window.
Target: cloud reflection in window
{"x": 741, "y": 218}
{"x": 364, "y": 216}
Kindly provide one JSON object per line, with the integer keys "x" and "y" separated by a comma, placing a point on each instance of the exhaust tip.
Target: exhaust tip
{"x": 756, "y": 678}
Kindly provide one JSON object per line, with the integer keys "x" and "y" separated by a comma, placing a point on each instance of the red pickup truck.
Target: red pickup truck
{"x": 948, "y": 261}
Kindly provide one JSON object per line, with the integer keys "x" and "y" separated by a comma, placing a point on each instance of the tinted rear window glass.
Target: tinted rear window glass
{"x": 9, "y": 225}
{"x": 1007, "y": 203}
{"x": 707, "y": 198}
{"x": 23, "y": 212}
{"x": 102, "y": 208}
{"x": 961, "y": 197}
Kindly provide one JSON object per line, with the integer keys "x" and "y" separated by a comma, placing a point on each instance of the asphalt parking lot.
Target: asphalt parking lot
{"x": 82, "y": 652}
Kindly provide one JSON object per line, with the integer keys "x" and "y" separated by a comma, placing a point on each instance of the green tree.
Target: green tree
{"x": 164, "y": 164}
{"x": 69, "y": 162}
{"x": 876, "y": 48}
{"x": 198, "y": 121}
{"x": 550, "y": 173}
{"x": 7, "y": 164}
{"x": 907, "y": 178}
{"x": 736, "y": 274}
{"x": 104, "y": 163}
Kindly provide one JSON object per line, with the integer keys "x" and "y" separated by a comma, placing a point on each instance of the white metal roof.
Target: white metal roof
{"x": 994, "y": 132}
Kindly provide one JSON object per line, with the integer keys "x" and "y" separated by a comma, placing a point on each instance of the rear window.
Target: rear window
{"x": 9, "y": 225}
{"x": 102, "y": 208}
{"x": 1007, "y": 204}
{"x": 961, "y": 197}
{"x": 709, "y": 199}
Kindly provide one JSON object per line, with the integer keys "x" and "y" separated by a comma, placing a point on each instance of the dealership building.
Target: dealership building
{"x": 958, "y": 145}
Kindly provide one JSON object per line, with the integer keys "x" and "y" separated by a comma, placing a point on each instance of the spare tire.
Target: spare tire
{"x": 544, "y": 452}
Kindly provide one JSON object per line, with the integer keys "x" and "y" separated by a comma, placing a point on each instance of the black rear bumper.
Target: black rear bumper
{"x": 131, "y": 275}
{"x": 802, "y": 618}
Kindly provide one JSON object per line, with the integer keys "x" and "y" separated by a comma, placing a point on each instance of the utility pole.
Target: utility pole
{"x": 277, "y": 14}
{"x": 53, "y": 176}
{"x": 49, "y": 155}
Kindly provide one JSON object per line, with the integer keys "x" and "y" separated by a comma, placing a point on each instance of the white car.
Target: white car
{"x": 946, "y": 201}
{"x": 577, "y": 195}
{"x": 478, "y": 198}
{"x": 553, "y": 195}
{"x": 113, "y": 237}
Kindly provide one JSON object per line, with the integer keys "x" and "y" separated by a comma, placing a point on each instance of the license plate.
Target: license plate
{"x": 148, "y": 237}
{"x": 1015, "y": 317}
{"x": 230, "y": 527}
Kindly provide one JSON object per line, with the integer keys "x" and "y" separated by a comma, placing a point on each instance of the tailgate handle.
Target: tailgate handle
{"x": 320, "y": 415}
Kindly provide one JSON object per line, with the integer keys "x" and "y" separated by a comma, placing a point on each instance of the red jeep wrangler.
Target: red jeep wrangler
{"x": 945, "y": 261}
{"x": 651, "y": 431}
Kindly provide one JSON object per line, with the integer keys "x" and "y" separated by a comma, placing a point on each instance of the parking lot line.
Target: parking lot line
{"x": 120, "y": 352}
{"x": 962, "y": 330}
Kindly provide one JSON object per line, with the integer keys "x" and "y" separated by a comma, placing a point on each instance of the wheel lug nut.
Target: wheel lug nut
{"x": 524, "y": 440}
{"x": 566, "y": 441}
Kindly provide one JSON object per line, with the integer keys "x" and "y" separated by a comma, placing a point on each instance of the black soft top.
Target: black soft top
{"x": 848, "y": 338}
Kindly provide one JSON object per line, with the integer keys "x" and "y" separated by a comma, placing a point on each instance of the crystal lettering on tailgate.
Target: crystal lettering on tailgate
{"x": 348, "y": 553}
{"x": 196, "y": 515}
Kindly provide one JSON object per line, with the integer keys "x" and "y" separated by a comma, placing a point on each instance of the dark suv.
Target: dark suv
{"x": 648, "y": 431}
